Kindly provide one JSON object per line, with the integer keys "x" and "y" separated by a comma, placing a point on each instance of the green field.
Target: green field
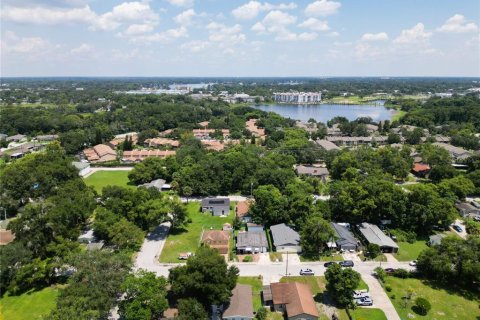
{"x": 362, "y": 285}
{"x": 188, "y": 239}
{"x": 410, "y": 251}
{"x": 446, "y": 303}
{"x": 398, "y": 115}
{"x": 101, "y": 179}
{"x": 316, "y": 284}
{"x": 363, "y": 314}
{"x": 256, "y": 284}
{"x": 28, "y": 306}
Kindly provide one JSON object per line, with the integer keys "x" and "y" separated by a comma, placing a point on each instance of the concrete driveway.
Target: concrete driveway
{"x": 462, "y": 234}
{"x": 148, "y": 255}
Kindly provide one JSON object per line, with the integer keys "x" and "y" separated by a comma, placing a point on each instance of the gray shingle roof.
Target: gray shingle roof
{"x": 252, "y": 239}
{"x": 215, "y": 202}
{"x": 373, "y": 234}
{"x": 345, "y": 237}
{"x": 284, "y": 235}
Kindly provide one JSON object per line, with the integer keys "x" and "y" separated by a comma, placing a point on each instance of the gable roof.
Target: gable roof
{"x": 420, "y": 167}
{"x": 344, "y": 235}
{"x": 242, "y": 208}
{"x": 215, "y": 202}
{"x": 240, "y": 302}
{"x": 311, "y": 170}
{"x": 215, "y": 235}
{"x": 284, "y": 235}
{"x": 252, "y": 239}
{"x": 373, "y": 234}
{"x": 296, "y": 296}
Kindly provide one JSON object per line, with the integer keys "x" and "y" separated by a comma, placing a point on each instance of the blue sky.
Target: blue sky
{"x": 240, "y": 38}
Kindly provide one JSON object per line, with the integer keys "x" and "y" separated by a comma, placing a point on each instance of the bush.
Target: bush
{"x": 388, "y": 288}
{"x": 422, "y": 306}
{"x": 401, "y": 273}
{"x": 261, "y": 314}
{"x": 393, "y": 297}
{"x": 404, "y": 236}
{"x": 380, "y": 274}
{"x": 248, "y": 259}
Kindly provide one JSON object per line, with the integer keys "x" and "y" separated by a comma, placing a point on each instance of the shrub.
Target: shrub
{"x": 248, "y": 259}
{"x": 404, "y": 236}
{"x": 388, "y": 288}
{"x": 261, "y": 314}
{"x": 422, "y": 306}
{"x": 393, "y": 297}
{"x": 401, "y": 273}
{"x": 380, "y": 273}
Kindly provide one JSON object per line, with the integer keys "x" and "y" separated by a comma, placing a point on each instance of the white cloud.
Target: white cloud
{"x": 381, "y": 36}
{"x": 126, "y": 12}
{"x": 252, "y": 9}
{"x": 163, "y": 37}
{"x": 32, "y": 46}
{"x": 222, "y": 33}
{"x": 185, "y": 18}
{"x": 195, "y": 45}
{"x": 83, "y": 48}
{"x": 181, "y": 3}
{"x": 258, "y": 28}
{"x": 458, "y": 24}
{"x": 315, "y": 24}
{"x": 322, "y": 8}
{"x": 122, "y": 55}
{"x": 417, "y": 34}
{"x": 333, "y": 34}
{"x": 136, "y": 29}
{"x": 49, "y": 16}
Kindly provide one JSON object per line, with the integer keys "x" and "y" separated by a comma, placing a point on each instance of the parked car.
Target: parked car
{"x": 457, "y": 228}
{"x": 413, "y": 263}
{"x": 184, "y": 255}
{"x": 328, "y": 264}
{"x": 476, "y": 218}
{"x": 364, "y": 302}
{"x": 475, "y": 204}
{"x": 307, "y": 272}
{"x": 389, "y": 270}
{"x": 346, "y": 263}
{"x": 358, "y": 294}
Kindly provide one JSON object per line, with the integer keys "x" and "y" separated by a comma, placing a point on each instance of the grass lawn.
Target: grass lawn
{"x": 316, "y": 284}
{"x": 362, "y": 285}
{"x": 274, "y": 316}
{"x": 256, "y": 284}
{"x": 446, "y": 304}
{"x": 188, "y": 239}
{"x": 335, "y": 257}
{"x": 101, "y": 179}
{"x": 274, "y": 256}
{"x": 28, "y": 306}
{"x": 410, "y": 251}
{"x": 398, "y": 115}
{"x": 363, "y": 314}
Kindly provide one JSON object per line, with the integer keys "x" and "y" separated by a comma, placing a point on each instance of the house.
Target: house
{"x": 327, "y": 145}
{"x": 455, "y": 152}
{"x": 47, "y": 137}
{"x": 436, "y": 239}
{"x": 217, "y": 239}
{"x": 82, "y": 167}
{"x": 6, "y": 236}
{"x": 162, "y": 142}
{"x": 139, "y": 155}
{"x": 120, "y": 139}
{"x": 92, "y": 246}
{"x": 253, "y": 227}
{"x": 100, "y": 153}
{"x": 3, "y": 136}
{"x": 307, "y": 126}
{"x": 217, "y": 206}
{"x": 373, "y": 234}
{"x": 158, "y": 184}
{"x": 312, "y": 171}
{"x": 420, "y": 169}
{"x": 242, "y": 210}
{"x": 251, "y": 242}
{"x": 204, "y": 134}
{"x": 16, "y": 138}
{"x": 285, "y": 239}
{"x": 293, "y": 299}
{"x": 466, "y": 209}
{"x": 240, "y": 306}
{"x": 345, "y": 240}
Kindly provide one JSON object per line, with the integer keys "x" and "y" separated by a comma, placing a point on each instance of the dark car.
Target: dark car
{"x": 346, "y": 263}
{"x": 457, "y": 228}
{"x": 307, "y": 272}
{"x": 389, "y": 270}
{"x": 328, "y": 264}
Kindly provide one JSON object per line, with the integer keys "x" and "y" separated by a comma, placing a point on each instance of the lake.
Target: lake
{"x": 325, "y": 112}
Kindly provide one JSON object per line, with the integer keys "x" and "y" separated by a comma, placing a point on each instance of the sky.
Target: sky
{"x": 235, "y": 38}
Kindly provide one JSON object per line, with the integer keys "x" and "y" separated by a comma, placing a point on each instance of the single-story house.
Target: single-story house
{"x": 420, "y": 169}
{"x": 456, "y": 153}
{"x": 217, "y": 206}
{"x": 16, "y": 138}
{"x": 82, "y": 167}
{"x": 47, "y": 137}
{"x": 373, "y": 234}
{"x": 161, "y": 142}
{"x": 217, "y": 239}
{"x": 285, "y": 239}
{"x": 252, "y": 242}
{"x": 327, "y": 145}
{"x": 100, "y": 153}
{"x": 293, "y": 299}
{"x": 312, "y": 171}
{"x": 345, "y": 240}
{"x": 139, "y": 155}
{"x": 242, "y": 211}
{"x": 436, "y": 239}
{"x": 240, "y": 306}
{"x": 95, "y": 246}
{"x": 253, "y": 227}
{"x": 158, "y": 184}
{"x": 467, "y": 209}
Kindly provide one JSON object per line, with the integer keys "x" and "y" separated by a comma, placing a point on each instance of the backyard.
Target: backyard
{"x": 446, "y": 302}
{"x": 410, "y": 251}
{"x": 28, "y": 306}
{"x": 188, "y": 238}
{"x": 256, "y": 284}
{"x": 101, "y": 179}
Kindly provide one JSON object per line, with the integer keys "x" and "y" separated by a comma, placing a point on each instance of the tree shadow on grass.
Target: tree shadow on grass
{"x": 453, "y": 289}
{"x": 177, "y": 230}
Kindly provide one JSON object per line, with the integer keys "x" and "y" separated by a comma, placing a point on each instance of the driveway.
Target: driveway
{"x": 462, "y": 234}
{"x": 380, "y": 298}
{"x": 148, "y": 255}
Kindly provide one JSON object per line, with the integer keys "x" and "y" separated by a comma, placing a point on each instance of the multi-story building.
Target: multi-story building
{"x": 298, "y": 97}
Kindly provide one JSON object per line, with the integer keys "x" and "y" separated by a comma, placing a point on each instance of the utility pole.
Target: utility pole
{"x": 286, "y": 267}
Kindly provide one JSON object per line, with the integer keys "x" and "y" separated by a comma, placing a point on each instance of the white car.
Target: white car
{"x": 307, "y": 272}
{"x": 364, "y": 302}
{"x": 413, "y": 263}
{"x": 358, "y": 294}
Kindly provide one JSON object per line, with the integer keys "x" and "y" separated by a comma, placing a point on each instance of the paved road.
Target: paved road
{"x": 148, "y": 255}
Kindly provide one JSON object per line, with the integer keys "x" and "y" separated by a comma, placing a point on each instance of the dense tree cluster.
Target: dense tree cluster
{"x": 341, "y": 283}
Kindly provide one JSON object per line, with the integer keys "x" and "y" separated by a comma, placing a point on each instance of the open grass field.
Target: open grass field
{"x": 363, "y": 314}
{"x": 316, "y": 284}
{"x": 188, "y": 239}
{"x": 398, "y": 115}
{"x": 102, "y": 179}
{"x": 256, "y": 284}
{"x": 28, "y": 306}
{"x": 410, "y": 251}
{"x": 446, "y": 303}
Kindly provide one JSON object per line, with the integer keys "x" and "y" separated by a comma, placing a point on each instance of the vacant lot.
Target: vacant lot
{"x": 410, "y": 251}
{"x": 256, "y": 284}
{"x": 188, "y": 239}
{"x": 28, "y": 306}
{"x": 446, "y": 303}
{"x": 101, "y": 179}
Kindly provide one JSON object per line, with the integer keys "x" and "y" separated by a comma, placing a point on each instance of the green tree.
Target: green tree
{"x": 145, "y": 296}
{"x": 270, "y": 206}
{"x": 373, "y": 250}
{"x": 189, "y": 309}
{"x": 206, "y": 277}
{"x": 341, "y": 283}
{"x": 126, "y": 235}
{"x": 380, "y": 273}
{"x": 315, "y": 234}
{"x": 262, "y": 314}
{"x": 460, "y": 186}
